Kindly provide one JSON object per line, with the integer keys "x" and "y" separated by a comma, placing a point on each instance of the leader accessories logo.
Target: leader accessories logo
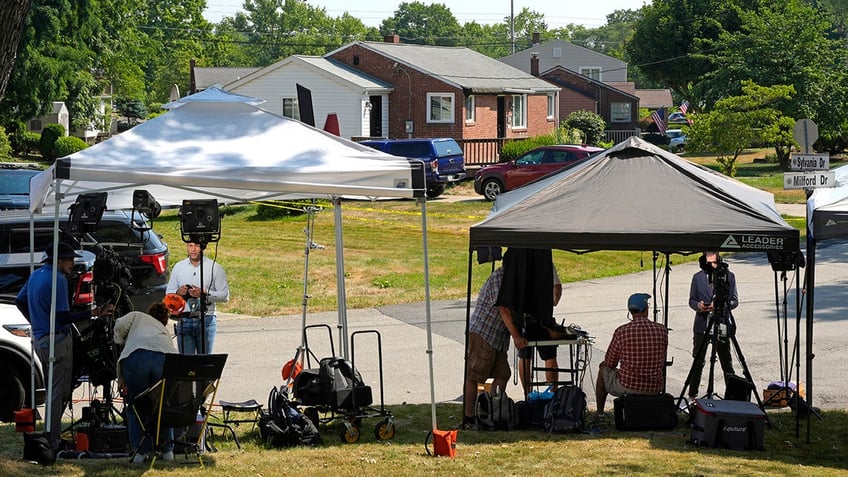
{"x": 753, "y": 242}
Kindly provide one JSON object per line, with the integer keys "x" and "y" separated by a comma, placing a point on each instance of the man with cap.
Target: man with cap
{"x": 34, "y": 301}
{"x": 635, "y": 358}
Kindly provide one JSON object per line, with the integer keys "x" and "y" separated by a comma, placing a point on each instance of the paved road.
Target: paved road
{"x": 258, "y": 346}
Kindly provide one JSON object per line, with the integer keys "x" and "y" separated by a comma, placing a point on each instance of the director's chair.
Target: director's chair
{"x": 187, "y": 383}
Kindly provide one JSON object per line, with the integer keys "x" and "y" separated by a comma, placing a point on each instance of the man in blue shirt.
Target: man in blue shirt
{"x": 34, "y": 302}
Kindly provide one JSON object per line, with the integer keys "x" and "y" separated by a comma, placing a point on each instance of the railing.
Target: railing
{"x": 615, "y": 136}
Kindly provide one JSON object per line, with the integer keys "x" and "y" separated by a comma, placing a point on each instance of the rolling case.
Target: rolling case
{"x": 635, "y": 412}
{"x": 734, "y": 425}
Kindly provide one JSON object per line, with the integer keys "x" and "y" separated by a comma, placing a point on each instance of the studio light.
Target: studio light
{"x": 200, "y": 221}
{"x": 86, "y": 212}
{"x": 144, "y": 203}
{"x": 786, "y": 261}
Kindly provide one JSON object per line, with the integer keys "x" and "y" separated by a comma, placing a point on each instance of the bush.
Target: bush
{"x": 5, "y": 146}
{"x": 591, "y": 125}
{"x": 68, "y": 145}
{"x": 29, "y": 143}
{"x": 47, "y": 144}
{"x": 15, "y": 130}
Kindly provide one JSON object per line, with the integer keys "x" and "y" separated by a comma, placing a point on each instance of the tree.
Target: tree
{"x": 422, "y": 24}
{"x": 12, "y": 16}
{"x": 590, "y": 125}
{"x": 737, "y": 122}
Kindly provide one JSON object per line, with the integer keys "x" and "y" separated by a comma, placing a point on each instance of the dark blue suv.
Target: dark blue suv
{"x": 443, "y": 159}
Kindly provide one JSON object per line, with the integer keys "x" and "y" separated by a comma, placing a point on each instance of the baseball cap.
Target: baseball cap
{"x": 65, "y": 251}
{"x": 638, "y": 302}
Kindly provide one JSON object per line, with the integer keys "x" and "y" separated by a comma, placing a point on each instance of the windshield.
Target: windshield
{"x": 447, "y": 148}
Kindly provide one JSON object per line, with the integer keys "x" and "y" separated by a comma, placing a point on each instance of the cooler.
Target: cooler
{"x": 728, "y": 424}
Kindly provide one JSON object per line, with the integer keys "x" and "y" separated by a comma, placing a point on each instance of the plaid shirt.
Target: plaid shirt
{"x": 486, "y": 318}
{"x": 640, "y": 347}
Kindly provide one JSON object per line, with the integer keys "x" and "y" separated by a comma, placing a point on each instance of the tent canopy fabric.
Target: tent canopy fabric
{"x": 827, "y": 209}
{"x": 216, "y": 144}
{"x": 636, "y": 196}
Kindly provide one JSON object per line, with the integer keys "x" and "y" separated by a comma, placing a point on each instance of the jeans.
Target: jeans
{"x": 188, "y": 335}
{"x": 141, "y": 369}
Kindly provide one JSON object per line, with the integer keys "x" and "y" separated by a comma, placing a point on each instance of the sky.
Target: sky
{"x": 558, "y": 13}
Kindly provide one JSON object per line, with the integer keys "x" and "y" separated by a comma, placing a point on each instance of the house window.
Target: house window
{"x": 440, "y": 107}
{"x": 470, "y": 113}
{"x": 593, "y": 72}
{"x": 557, "y": 52}
{"x": 291, "y": 109}
{"x": 518, "y": 112}
{"x": 35, "y": 125}
{"x": 551, "y": 105}
{"x": 620, "y": 112}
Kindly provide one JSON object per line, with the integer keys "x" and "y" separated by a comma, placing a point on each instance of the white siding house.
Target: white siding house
{"x": 597, "y": 66}
{"x": 358, "y": 100}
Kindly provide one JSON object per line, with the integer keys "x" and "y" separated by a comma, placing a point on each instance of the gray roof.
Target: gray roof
{"x": 345, "y": 73}
{"x": 206, "y": 77}
{"x": 462, "y": 67}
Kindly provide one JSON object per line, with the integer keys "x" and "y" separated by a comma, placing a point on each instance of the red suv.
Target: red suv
{"x": 505, "y": 176}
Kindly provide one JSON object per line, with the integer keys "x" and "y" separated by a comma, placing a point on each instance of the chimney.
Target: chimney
{"x": 536, "y": 38}
{"x": 393, "y": 38}
{"x": 534, "y": 64}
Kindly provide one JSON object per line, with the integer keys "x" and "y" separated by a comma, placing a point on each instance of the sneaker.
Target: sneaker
{"x": 168, "y": 455}
{"x": 139, "y": 459}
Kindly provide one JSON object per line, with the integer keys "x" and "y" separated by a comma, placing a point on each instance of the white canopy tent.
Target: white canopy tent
{"x": 216, "y": 144}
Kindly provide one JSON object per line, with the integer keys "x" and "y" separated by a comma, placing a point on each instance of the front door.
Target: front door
{"x": 501, "y": 116}
{"x": 375, "y": 117}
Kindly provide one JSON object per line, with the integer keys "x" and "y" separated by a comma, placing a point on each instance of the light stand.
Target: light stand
{"x": 200, "y": 223}
{"x": 301, "y": 351}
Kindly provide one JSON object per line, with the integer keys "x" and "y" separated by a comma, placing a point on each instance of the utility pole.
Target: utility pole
{"x": 512, "y": 23}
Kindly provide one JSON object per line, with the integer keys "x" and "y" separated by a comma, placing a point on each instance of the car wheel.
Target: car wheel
{"x": 492, "y": 188}
{"x": 435, "y": 190}
{"x": 12, "y": 395}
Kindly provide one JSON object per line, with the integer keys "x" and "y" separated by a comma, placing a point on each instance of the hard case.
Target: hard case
{"x": 734, "y": 425}
{"x": 634, "y": 412}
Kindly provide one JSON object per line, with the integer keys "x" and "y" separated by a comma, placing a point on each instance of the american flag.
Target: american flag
{"x": 684, "y": 107}
{"x": 659, "y": 119}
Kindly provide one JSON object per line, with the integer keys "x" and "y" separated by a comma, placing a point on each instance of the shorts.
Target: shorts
{"x": 613, "y": 385}
{"x": 484, "y": 361}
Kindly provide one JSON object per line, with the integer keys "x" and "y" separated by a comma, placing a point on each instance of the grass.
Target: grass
{"x": 601, "y": 451}
{"x": 264, "y": 259}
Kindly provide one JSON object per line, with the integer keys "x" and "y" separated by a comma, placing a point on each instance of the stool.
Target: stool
{"x": 229, "y": 420}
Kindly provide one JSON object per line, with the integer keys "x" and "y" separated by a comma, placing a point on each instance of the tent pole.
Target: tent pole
{"x": 667, "y": 285}
{"x": 810, "y": 288}
{"x": 48, "y": 407}
{"x": 423, "y": 203}
{"x": 341, "y": 297}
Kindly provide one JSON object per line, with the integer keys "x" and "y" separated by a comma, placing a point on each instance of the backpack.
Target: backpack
{"x": 342, "y": 384}
{"x": 283, "y": 425}
{"x": 566, "y": 411}
{"x": 495, "y": 412}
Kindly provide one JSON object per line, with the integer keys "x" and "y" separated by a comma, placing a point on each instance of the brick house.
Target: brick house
{"x": 453, "y": 92}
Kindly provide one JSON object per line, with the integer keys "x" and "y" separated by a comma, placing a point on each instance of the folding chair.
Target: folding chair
{"x": 187, "y": 383}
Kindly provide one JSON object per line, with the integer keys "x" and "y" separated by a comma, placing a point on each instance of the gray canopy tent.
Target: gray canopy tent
{"x": 216, "y": 144}
{"x": 635, "y": 196}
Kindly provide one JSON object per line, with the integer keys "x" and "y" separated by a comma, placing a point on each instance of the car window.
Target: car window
{"x": 532, "y": 157}
{"x": 410, "y": 149}
{"x": 15, "y": 239}
{"x": 560, "y": 157}
{"x": 447, "y": 148}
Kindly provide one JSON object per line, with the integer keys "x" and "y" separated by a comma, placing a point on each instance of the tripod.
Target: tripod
{"x": 720, "y": 325}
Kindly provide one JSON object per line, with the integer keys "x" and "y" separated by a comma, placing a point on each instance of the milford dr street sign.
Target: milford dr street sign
{"x": 808, "y": 180}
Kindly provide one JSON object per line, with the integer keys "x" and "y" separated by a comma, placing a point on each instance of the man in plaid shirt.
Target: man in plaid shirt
{"x": 489, "y": 330}
{"x": 639, "y": 347}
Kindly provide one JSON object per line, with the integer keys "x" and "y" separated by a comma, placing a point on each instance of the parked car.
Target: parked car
{"x": 14, "y": 184}
{"x": 676, "y": 140}
{"x": 677, "y": 117}
{"x": 15, "y": 352}
{"x": 444, "y": 162}
{"x": 505, "y": 176}
{"x": 123, "y": 242}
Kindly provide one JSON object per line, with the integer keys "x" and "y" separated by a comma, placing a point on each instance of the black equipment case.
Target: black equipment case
{"x": 103, "y": 439}
{"x": 729, "y": 424}
{"x": 636, "y": 412}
